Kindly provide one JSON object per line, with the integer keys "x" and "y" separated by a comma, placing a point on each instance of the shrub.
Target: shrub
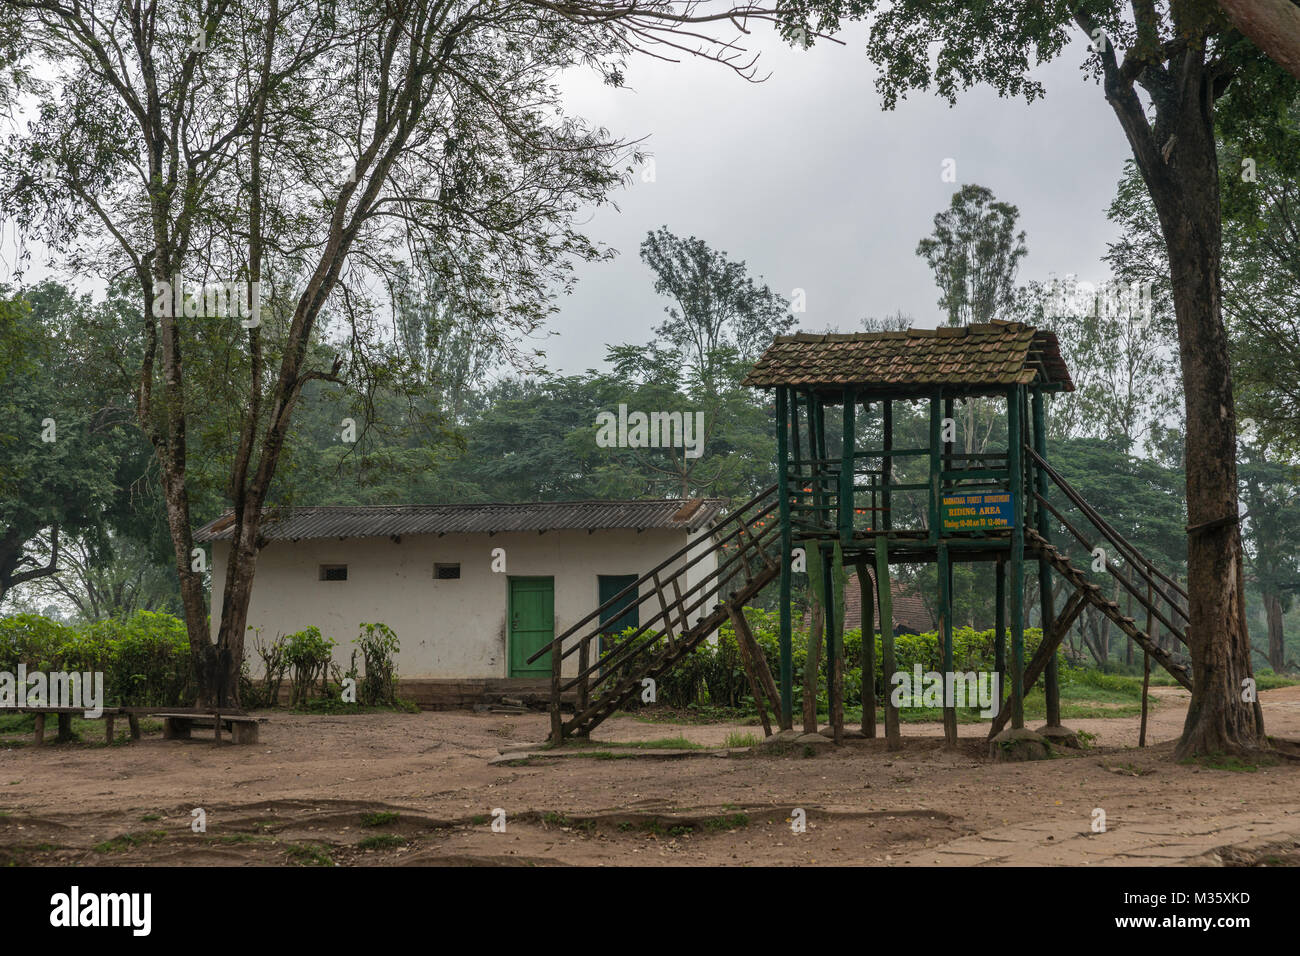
{"x": 378, "y": 644}
{"x": 145, "y": 658}
{"x": 308, "y": 654}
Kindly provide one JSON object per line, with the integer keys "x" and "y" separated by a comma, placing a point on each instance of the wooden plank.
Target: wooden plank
{"x": 738, "y": 623}
{"x": 761, "y": 669}
{"x": 584, "y": 693}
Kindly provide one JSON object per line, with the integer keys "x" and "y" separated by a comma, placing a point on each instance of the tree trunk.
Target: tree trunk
{"x": 1276, "y": 643}
{"x": 1187, "y": 202}
{"x": 1179, "y": 164}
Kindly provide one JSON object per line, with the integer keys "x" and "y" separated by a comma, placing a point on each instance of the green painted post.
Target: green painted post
{"x": 1000, "y": 625}
{"x": 846, "y": 469}
{"x": 885, "y": 601}
{"x": 783, "y": 416}
{"x": 945, "y": 630}
{"x": 817, "y": 451}
{"x": 1015, "y": 436}
{"x": 887, "y": 468}
{"x": 1047, "y": 604}
{"x": 936, "y": 427}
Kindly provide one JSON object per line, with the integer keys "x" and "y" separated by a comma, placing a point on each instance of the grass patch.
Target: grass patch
{"x": 1232, "y": 764}
{"x": 150, "y": 817}
{"x": 378, "y": 819}
{"x": 234, "y": 838}
{"x": 309, "y": 854}
{"x": 663, "y": 743}
{"x": 733, "y": 821}
{"x": 381, "y": 841}
{"x": 128, "y": 841}
{"x": 737, "y": 739}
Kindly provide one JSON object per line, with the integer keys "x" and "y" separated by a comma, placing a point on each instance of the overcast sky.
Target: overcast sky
{"x": 814, "y": 186}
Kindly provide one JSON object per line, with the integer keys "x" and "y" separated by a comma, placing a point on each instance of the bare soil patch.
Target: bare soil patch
{"x": 321, "y": 790}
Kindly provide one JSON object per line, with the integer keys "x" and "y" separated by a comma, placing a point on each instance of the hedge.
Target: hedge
{"x": 145, "y": 657}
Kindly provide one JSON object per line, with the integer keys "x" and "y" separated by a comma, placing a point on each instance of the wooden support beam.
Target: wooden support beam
{"x": 886, "y": 466}
{"x": 1000, "y": 622}
{"x": 868, "y": 650}
{"x": 885, "y": 601}
{"x": 1046, "y": 600}
{"x": 1046, "y": 651}
{"x": 945, "y": 636}
{"x": 1016, "y": 438}
{"x": 584, "y": 691}
{"x": 745, "y": 635}
{"x": 846, "y": 468}
{"x": 557, "y": 720}
{"x": 738, "y": 622}
{"x": 1146, "y": 671}
{"x": 786, "y": 416}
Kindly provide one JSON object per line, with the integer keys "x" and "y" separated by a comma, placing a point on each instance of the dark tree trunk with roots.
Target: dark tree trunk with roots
{"x": 1177, "y": 158}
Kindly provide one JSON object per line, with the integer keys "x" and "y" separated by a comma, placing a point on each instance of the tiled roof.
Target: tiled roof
{"x": 992, "y": 355}
{"x": 911, "y": 616}
{"x": 385, "y": 520}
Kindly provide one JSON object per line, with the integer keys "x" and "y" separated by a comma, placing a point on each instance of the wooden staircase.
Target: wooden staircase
{"x": 1090, "y": 593}
{"x": 744, "y": 547}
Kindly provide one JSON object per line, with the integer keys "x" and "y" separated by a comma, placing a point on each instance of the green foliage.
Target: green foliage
{"x": 308, "y": 654}
{"x": 145, "y": 657}
{"x": 712, "y": 675}
{"x": 378, "y": 644}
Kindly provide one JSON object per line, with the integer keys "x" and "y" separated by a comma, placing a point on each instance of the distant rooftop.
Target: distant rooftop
{"x": 381, "y": 521}
{"x": 988, "y": 356}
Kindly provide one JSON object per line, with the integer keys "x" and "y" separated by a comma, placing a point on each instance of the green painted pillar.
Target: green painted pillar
{"x": 885, "y": 601}
{"x": 783, "y": 422}
{"x": 846, "y": 469}
{"x": 1047, "y": 604}
{"x": 936, "y": 466}
{"x": 945, "y": 632}
{"x": 1000, "y": 624}
{"x": 1015, "y": 438}
{"x": 886, "y": 470}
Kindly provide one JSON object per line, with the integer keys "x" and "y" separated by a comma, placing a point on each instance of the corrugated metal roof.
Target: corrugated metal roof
{"x": 380, "y": 521}
{"x": 986, "y": 355}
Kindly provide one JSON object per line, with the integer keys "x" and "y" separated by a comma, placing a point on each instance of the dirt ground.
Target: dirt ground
{"x": 301, "y": 796}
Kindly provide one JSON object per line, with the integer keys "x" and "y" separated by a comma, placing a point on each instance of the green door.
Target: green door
{"x": 615, "y": 620}
{"x": 531, "y": 613}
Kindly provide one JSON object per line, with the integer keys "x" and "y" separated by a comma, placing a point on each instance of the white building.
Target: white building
{"x": 470, "y": 590}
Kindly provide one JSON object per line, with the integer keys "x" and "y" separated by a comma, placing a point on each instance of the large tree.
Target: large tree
{"x": 1161, "y": 66}
{"x": 974, "y": 252}
{"x": 308, "y": 153}
{"x": 62, "y": 438}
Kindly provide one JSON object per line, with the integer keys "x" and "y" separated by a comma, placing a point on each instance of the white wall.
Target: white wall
{"x": 446, "y": 628}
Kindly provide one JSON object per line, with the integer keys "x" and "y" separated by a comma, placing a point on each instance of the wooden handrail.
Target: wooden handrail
{"x": 635, "y": 586}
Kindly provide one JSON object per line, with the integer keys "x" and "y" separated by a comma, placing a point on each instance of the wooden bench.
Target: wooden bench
{"x": 65, "y": 715}
{"x": 177, "y": 726}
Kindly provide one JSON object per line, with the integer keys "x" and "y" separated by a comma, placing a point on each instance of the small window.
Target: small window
{"x": 446, "y": 572}
{"x": 333, "y": 572}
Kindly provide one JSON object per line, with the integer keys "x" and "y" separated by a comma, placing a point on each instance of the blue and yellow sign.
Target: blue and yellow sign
{"x": 983, "y": 511}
